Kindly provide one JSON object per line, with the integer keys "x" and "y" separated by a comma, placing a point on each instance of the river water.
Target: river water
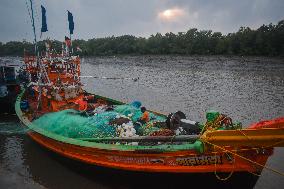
{"x": 248, "y": 89}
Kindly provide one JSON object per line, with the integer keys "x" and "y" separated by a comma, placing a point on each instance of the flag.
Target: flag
{"x": 43, "y": 22}
{"x": 71, "y": 22}
{"x": 67, "y": 41}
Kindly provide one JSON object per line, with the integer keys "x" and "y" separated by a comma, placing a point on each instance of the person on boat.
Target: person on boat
{"x": 143, "y": 119}
{"x": 145, "y": 116}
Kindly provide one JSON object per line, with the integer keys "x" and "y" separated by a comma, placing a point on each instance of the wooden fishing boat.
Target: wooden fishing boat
{"x": 245, "y": 150}
{"x": 168, "y": 157}
{"x": 55, "y": 86}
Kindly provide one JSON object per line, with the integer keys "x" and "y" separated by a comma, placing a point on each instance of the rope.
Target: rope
{"x": 274, "y": 144}
{"x": 264, "y": 146}
{"x": 217, "y": 123}
{"x": 255, "y": 174}
{"x": 111, "y": 78}
{"x": 204, "y": 128}
{"x": 215, "y": 172}
{"x": 214, "y": 125}
{"x": 251, "y": 161}
{"x": 243, "y": 133}
{"x": 258, "y": 148}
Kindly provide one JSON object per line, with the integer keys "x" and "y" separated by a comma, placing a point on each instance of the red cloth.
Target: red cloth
{"x": 275, "y": 123}
{"x": 82, "y": 104}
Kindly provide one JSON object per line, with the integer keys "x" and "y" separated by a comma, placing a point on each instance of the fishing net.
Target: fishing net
{"x": 74, "y": 124}
{"x": 135, "y": 113}
{"x": 71, "y": 123}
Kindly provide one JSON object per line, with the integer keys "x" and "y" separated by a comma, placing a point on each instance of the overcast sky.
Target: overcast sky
{"x": 101, "y": 18}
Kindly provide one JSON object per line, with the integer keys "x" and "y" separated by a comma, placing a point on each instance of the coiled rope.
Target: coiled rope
{"x": 215, "y": 172}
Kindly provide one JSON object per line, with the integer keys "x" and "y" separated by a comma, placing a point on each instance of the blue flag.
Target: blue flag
{"x": 71, "y": 22}
{"x": 43, "y": 22}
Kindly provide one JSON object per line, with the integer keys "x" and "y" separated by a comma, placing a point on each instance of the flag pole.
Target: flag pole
{"x": 33, "y": 23}
{"x": 71, "y": 43}
{"x": 37, "y": 57}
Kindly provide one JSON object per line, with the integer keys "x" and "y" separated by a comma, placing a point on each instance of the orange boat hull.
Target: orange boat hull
{"x": 186, "y": 161}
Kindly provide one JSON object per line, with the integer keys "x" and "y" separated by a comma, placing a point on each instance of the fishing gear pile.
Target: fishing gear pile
{"x": 118, "y": 122}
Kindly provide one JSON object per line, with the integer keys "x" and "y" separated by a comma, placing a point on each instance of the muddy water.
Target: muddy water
{"x": 248, "y": 89}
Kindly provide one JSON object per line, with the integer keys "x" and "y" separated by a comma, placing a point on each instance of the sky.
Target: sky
{"x": 141, "y": 18}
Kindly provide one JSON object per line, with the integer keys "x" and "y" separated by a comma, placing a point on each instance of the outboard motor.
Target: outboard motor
{"x": 178, "y": 119}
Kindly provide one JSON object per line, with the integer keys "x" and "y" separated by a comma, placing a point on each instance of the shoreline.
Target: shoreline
{"x": 165, "y": 55}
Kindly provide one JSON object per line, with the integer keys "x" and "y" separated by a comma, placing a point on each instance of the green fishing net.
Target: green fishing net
{"x": 74, "y": 124}
{"x": 71, "y": 123}
{"x": 130, "y": 111}
{"x": 135, "y": 113}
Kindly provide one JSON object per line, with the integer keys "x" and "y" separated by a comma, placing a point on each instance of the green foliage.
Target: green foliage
{"x": 267, "y": 40}
{"x": 13, "y": 48}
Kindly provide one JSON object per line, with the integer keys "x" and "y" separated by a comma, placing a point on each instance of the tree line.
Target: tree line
{"x": 267, "y": 40}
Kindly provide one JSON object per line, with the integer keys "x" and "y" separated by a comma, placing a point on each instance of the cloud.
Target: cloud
{"x": 101, "y": 18}
{"x": 171, "y": 15}
{"x": 229, "y": 15}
